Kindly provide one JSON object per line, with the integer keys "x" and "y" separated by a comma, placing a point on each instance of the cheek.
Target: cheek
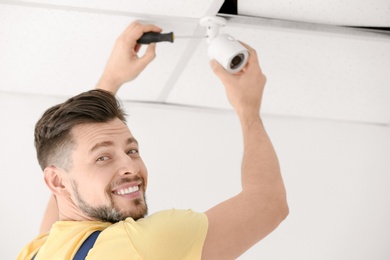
{"x": 144, "y": 172}
{"x": 94, "y": 189}
{"x": 97, "y": 194}
{"x": 146, "y": 181}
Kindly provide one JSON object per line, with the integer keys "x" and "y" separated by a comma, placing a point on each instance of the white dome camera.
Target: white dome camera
{"x": 230, "y": 53}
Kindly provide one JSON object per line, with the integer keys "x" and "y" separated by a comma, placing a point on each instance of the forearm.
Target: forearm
{"x": 106, "y": 84}
{"x": 260, "y": 166}
{"x": 262, "y": 185}
{"x": 241, "y": 221}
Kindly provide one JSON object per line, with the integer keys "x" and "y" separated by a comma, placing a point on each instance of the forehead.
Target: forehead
{"x": 88, "y": 134}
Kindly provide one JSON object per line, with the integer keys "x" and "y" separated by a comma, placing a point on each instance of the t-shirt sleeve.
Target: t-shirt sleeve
{"x": 170, "y": 234}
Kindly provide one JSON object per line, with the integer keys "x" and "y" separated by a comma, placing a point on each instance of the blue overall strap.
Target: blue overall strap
{"x": 85, "y": 247}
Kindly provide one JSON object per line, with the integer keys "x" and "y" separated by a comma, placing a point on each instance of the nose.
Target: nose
{"x": 127, "y": 166}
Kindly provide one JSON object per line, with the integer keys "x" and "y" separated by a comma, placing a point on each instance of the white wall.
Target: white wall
{"x": 337, "y": 176}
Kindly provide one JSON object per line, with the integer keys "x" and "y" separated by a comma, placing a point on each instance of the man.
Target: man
{"x": 91, "y": 165}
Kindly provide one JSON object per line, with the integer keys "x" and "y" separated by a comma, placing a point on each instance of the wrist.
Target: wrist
{"x": 250, "y": 110}
{"x": 108, "y": 85}
{"x": 247, "y": 118}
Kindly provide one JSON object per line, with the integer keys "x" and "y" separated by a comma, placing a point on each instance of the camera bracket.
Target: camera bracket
{"x": 212, "y": 23}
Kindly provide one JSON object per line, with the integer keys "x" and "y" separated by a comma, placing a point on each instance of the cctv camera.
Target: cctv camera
{"x": 231, "y": 54}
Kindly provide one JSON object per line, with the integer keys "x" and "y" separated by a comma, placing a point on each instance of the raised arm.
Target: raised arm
{"x": 238, "y": 223}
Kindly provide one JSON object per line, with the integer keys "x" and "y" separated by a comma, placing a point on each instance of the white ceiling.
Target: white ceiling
{"x": 341, "y": 12}
{"x": 313, "y": 70}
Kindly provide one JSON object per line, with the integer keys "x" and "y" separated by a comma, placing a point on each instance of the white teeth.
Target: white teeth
{"x": 127, "y": 191}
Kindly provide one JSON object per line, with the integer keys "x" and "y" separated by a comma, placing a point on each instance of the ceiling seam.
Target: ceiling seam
{"x": 231, "y": 111}
{"x": 205, "y": 109}
{"x": 188, "y": 53}
{"x": 181, "y": 65}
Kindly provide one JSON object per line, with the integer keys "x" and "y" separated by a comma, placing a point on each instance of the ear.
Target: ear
{"x": 54, "y": 181}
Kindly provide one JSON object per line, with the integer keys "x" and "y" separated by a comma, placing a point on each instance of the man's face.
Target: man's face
{"x": 107, "y": 175}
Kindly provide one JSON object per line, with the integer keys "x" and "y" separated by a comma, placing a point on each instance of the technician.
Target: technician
{"x": 91, "y": 165}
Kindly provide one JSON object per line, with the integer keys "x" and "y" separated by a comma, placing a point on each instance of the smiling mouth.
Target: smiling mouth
{"x": 127, "y": 191}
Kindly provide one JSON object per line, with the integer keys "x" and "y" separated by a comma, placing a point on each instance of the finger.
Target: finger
{"x": 150, "y": 28}
{"x": 137, "y": 48}
{"x": 149, "y": 55}
{"x": 150, "y": 52}
{"x": 252, "y": 52}
{"x": 136, "y": 29}
{"x": 218, "y": 69}
{"x": 139, "y": 29}
{"x": 252, "y": 59}
{"x": 130, "y": 28}
{"x": 247, "y": 46}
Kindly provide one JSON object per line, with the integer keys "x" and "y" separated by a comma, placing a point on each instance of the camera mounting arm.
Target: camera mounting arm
{"x": 212, "y": 24}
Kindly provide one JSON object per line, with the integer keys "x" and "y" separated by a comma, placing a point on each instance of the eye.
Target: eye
{"x": 102, "y": 158}
{"x": 132, "y": 151}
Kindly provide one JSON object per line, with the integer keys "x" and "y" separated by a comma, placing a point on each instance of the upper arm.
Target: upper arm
{"x": 238, "y": 223}
{"x": 172, "y": 234}
{"x": 50, "y": 216}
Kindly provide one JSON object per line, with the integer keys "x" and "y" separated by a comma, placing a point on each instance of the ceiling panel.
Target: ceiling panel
{"x": 58, "y": 52}
{"x": 320, "y": 72}
{"x": 169, "y": 8}
{"x": 346, "y": 12}
{"x": 313, "y": 70}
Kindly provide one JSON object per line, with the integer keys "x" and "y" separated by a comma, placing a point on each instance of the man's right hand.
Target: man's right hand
{"x": 124, "y": 64}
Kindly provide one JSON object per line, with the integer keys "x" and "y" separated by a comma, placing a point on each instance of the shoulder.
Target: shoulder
{"x": 175, "y": 217}
{"x": 177, "y": 214}
{"x": 179, "y": 234}
{"x": 32, "y": 248}
{"x": 167, "y": 223}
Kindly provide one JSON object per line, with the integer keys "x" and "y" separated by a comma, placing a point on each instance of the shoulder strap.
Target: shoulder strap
{"x": 86, "y": 246}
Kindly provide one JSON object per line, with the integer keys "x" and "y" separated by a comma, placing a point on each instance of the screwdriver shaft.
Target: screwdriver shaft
{"x": 190, "y": 36}
{"x": 150, "y": 37}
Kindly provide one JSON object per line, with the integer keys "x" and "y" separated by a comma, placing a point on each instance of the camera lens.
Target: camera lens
{"x": 236, "y": 61}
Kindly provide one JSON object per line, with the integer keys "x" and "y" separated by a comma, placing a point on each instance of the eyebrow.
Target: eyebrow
{"x": 130, "y": 140}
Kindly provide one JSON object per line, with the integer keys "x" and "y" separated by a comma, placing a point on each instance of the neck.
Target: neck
{"x": 68, "y": 211}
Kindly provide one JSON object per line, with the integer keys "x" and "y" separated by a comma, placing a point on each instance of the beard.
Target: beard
{"x": 111, "y": 213}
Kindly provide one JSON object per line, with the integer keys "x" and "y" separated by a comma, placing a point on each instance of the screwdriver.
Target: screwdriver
{"x": 150, "y": 37}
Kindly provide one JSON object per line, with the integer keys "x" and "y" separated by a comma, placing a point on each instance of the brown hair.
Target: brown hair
{"x": 52, "y": 138}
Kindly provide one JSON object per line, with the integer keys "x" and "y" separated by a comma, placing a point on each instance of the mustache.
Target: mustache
{"x": 127, "y": 180}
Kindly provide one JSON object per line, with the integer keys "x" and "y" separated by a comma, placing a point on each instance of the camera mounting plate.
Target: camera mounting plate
{"x": 212, "y": 23}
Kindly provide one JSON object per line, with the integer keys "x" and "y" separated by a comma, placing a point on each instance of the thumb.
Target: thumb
{"x": 150, "y": 52}
{"x": 218, "y": 69}
{"x": 148, "y": 56}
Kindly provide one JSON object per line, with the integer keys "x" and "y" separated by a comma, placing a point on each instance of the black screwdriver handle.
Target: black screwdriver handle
{"x": 150, "y": 37}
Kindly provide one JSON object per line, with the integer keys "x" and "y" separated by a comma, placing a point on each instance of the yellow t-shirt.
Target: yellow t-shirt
{"x": 169, "y": 234}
